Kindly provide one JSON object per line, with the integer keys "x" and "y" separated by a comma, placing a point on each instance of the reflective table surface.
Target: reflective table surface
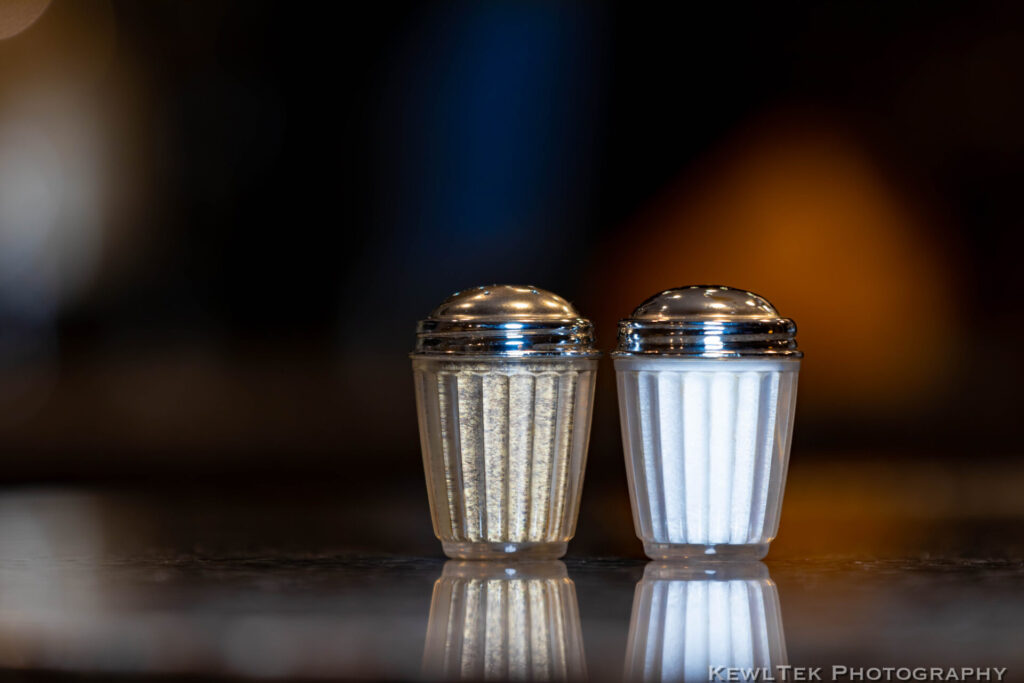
{"x": 261, "y": 584}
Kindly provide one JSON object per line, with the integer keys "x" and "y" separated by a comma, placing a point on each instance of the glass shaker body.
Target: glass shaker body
{"x": 707, "y": 449}
{"x": 706, "y": 412}
{"x": 504, "y": 432}
{"x": 504, "y": 450}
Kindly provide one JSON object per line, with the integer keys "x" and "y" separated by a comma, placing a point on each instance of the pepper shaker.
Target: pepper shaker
{"x": 707, "y": 379}
{"x": 504, "y": 391}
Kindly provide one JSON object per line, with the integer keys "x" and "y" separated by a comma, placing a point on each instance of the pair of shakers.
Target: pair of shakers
{"x": 505, "y": 377}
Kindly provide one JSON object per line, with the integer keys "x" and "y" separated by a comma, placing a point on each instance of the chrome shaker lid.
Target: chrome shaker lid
{"x": 505, "y": 320}
{"x": 707, "y": 321}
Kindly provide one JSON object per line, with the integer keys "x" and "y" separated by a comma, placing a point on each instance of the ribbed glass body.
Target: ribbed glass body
{"x": 707, "y": 448}
{"x": 504, "y": 448}
{"x": 493, "y": 621}
{"x": 687, "y": 621}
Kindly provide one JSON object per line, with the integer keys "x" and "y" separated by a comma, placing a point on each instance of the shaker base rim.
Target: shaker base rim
{"x": 470, "y": 550}
{"x": 710, "y": 553}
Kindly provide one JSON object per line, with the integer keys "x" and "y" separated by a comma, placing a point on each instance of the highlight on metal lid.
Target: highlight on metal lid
{"x": 707, "y": 321}
{"x": 505, "y": 320}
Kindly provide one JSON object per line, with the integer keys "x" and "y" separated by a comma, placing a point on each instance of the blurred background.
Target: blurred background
{"x": 220, "y": 222}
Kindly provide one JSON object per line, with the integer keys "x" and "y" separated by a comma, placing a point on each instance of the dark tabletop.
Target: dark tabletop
{"x": 261, "y": 583}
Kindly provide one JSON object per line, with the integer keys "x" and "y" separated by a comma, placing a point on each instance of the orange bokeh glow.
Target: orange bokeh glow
{"x": 18, "y": 15}
{"x": 801, "y": 215}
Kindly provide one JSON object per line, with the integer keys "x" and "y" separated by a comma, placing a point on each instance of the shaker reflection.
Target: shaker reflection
{"x": 687, "y": 619}
{"x": 504, "y": 621}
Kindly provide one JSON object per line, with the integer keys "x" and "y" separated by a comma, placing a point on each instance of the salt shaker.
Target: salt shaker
{"x": 498, "y": 621}
{"x": 504, "y": 391}
{"x": 707, "y": 379}
{"x": 691, "y": 620}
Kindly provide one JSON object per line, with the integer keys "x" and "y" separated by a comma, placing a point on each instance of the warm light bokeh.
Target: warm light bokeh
{"x": 18, "y": 15}
{"x": 800, "y": 214}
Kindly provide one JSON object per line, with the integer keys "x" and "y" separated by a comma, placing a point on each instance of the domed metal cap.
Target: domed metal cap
{"x": 707, "y": 321}
{"x": 505, "y": 320}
